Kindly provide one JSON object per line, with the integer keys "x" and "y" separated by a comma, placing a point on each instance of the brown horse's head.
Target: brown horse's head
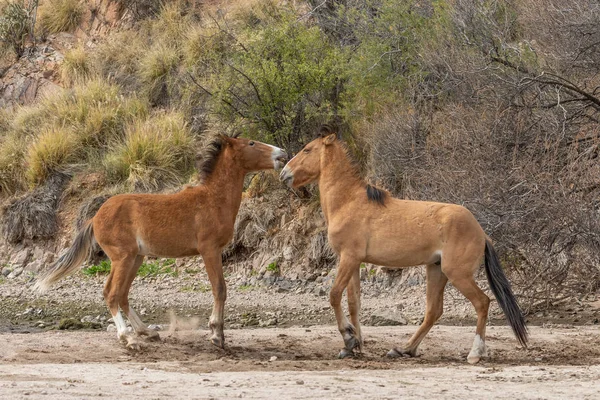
{"x": 255, "y": 156}
{"x": 305, "y": 167}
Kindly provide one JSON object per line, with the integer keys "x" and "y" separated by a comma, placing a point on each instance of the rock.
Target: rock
{"x": 15, "y": 273}
{"x": 269, "y": 322}
{"x": 35, "y": 266}
{"x": 20, "y": 258}
{"x": 299, "y": 382}
{"x": 288, "y": 253}
{"x": 319, "y": 291}
{"x": 273, "y": 358}
{"x": 111, "y": 328}
{"x": 6, "y": 271}
{"x": 364, "y": 274}
{"x": 155, "y": 327}
{"x": 386, "y": 318}
{"x": 70, "y": 324}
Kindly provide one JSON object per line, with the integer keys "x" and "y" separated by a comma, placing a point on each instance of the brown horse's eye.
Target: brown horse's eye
{"x": 250, "y": 143}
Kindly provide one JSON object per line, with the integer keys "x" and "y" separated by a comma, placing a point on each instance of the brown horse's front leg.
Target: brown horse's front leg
{"x": 346, "y": 269}
{"x": 214, "y": 269}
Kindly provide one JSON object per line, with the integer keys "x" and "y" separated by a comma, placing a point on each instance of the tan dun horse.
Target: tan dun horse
{"x": 196, "y": 220}
{"x": 365, "y": 224}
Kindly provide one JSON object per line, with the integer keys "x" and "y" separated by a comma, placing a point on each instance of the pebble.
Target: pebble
{"x": 299, "y": 382}
{"x": 273, "y": 358}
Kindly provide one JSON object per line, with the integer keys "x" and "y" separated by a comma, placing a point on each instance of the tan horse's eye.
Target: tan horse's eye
{"x": 307, "y": 150}
{"x": 250, "y": 143}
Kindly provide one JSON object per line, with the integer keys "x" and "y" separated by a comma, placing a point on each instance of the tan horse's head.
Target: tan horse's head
{"x": 305, "y": 167}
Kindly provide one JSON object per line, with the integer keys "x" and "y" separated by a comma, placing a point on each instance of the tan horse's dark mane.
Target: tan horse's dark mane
{"x": 208, "y": 156}
{"x": 374, "y": 193}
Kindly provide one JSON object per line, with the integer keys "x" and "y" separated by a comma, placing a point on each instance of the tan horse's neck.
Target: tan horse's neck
{"x": 338, "y": 180}
{"x": 226, "y": 182}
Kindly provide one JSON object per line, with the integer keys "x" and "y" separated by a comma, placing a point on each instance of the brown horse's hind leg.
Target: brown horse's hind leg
{"x": 465, "y": 283}
{"x": 436, "y": 282}
{"x": 138, "y": 326}
{"x": 354, "y": 304}
{"x": 346, "y": 270}
{"x": 214, "y": 269}
{"x": 113, "y": 294}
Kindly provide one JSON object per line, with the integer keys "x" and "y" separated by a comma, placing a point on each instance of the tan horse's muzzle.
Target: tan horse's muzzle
{"x": 279, "y": 158}
{"x": 286, "y": 176}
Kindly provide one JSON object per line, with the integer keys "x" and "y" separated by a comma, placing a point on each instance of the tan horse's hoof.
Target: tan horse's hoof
{"x": 473, "y": 359}
{"x": 345, "y": 353}
{"x": 219, "y": 342}
{"x": 151, "y": 336}
{"x": 395, "y": 353}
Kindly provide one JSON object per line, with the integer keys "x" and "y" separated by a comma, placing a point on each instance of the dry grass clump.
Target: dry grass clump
{"x": 52, "y": 151}
{"x": 60, "y": 15}
{"x": 75, "y": 66}
{"x": 12, "y": 171}
{"x": 155, "y": 154}
{"x": 155, "y": 68}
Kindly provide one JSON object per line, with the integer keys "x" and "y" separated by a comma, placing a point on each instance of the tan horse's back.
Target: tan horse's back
{"x": 428, "y": 229}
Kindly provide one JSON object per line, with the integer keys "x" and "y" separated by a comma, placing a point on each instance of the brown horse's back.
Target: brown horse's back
{"x": 151, "y": 223}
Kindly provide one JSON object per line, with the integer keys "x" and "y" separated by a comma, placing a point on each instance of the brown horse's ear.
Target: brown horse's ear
{"x": 326, "y": 130}
{"x": 329, "y": 139}
{"x": 224, "y": 138}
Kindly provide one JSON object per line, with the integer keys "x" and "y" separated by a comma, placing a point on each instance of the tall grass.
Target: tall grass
{"x": 75, "y": 66}
{"x": 60, "y": 15}
{"x": 155, "y": 154}
{"x": 53, "y": 150}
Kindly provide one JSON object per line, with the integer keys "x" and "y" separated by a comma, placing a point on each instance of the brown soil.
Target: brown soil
{"x": 561, "y": 362}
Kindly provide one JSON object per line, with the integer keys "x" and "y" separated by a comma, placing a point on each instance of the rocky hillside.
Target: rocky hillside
{"x": 490, "y": 105}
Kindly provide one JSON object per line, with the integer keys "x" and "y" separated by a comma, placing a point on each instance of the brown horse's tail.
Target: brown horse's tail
{"x": 69, "y": 261}
{"x": 501, "y": 289}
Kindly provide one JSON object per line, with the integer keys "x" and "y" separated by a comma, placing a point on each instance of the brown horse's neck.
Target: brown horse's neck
{"x": 339, "y": 181}
{"x": 226, "y": 181}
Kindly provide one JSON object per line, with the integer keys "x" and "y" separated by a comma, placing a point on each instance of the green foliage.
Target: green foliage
{"x": 60, "y": 15}
{"x": 94, "y": 270}
{"x": 272, "y": 267}
{"x": 15, "y": 24}
{"x": 280, "y": 74}
{"x": 156, "y": 268}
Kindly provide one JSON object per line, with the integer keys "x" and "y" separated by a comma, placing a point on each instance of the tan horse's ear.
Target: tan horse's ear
{"x": 329, "y": 139}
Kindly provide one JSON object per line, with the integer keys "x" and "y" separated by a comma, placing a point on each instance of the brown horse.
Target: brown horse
{"x": 196, "y": 220}
{"x": 365, "y": 224}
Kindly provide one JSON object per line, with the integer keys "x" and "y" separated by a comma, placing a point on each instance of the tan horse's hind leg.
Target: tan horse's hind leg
{"x": 354, "y": 305}
{"x": 346, "y": 270}
{"x": 214, "y": 269}
{"x": 465, "y": 283}
{"x": 138, "y": 326}
{"x": 436, "y": 282}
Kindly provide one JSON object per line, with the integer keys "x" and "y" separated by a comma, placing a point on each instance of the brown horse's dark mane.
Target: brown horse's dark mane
{"x": 208, "y": 156}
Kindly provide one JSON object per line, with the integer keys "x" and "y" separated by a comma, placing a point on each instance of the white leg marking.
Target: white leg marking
{"x": 120, "y": 323}
{"x": 478, "y": 350}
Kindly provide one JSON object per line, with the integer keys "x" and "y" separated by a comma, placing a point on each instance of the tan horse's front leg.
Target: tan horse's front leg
{"x": 347, "y": 268}
{"x": 214, "y": 269}
{"x": 354, "y": 305}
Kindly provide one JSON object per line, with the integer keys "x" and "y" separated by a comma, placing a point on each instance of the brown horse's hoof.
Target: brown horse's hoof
{"x": 345, "y": 353}
{"x": 395, "y": 353}
{"x": 133, "y": 344}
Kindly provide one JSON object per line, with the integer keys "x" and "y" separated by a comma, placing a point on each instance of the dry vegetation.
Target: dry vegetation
{"x": 493, "y": 105}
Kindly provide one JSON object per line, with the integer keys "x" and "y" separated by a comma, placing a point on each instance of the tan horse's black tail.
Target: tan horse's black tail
{"x": 69, "y": 261}
{"x": 501, "y": 289}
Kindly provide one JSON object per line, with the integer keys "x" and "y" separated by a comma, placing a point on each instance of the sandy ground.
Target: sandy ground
{"x": 300, "y": 363}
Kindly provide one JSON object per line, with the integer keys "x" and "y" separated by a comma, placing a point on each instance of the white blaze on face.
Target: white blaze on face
{"x": 278, "y": 156}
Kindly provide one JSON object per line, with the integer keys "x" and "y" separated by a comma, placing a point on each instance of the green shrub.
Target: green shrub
{"x": 15, "y": 24}
{"x": 60, "y": 15}
{"x": 102, "y": 269}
